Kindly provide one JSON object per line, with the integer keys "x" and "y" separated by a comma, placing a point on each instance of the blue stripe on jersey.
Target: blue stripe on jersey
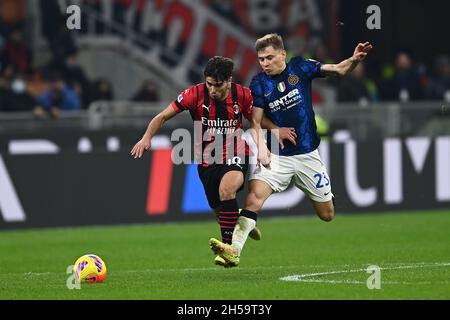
{"x": 286, "y": 100}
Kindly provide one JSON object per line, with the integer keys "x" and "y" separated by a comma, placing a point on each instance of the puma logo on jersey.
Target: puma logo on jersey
{"x": 207, "y": 108}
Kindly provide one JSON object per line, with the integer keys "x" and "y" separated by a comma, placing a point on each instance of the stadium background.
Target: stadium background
{"x": 386, "y": 131}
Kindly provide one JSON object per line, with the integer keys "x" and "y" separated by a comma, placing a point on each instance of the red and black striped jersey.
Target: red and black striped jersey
{"x": 217, "y": 124}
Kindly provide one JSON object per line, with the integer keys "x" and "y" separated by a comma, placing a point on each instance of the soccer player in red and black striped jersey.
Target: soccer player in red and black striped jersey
{"x": 217, "y": 107}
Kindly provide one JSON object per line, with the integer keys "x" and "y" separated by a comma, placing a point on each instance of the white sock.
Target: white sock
{"x": 243, "y": 227}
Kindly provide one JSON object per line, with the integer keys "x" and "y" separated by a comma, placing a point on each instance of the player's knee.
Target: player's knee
{"x": 227, "y": 192}
{"x": 327, "y": 214}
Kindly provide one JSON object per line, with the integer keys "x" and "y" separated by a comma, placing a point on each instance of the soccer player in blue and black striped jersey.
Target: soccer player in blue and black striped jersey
{"x": 282, "y": 93}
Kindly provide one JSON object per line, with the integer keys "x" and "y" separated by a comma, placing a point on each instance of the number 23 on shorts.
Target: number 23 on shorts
{"x": 322, "y": 180}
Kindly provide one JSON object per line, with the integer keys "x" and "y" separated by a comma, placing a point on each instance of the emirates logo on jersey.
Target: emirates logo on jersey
{"x": 220, "y": 126}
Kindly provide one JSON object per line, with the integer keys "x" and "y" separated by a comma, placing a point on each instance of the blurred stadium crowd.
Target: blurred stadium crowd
{"x": 61, "y": 82}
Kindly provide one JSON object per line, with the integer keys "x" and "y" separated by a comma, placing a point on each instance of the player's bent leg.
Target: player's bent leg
{"x": 258, "y": 193}
{"x": 229, "y": 185}
{"x": 255, "y": 234}
{"x": 325, "y": 210}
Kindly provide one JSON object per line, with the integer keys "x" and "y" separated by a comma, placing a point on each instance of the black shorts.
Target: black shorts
{"x": 211, "y": 177}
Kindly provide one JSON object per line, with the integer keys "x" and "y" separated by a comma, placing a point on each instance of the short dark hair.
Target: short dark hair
{"x": 219, "y": 68}
{"x": 272, "y": 39}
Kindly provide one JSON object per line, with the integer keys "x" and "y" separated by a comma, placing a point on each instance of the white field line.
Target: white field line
{"x": 301, "y": 277}
{"x": 307, "y": 277}
{"x": 216, "y": 268}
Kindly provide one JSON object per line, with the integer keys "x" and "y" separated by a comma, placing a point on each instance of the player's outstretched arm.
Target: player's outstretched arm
{"x": 282, "y": 133}
{"x": 345, "y": 67}
{"x": 157, "y": 122}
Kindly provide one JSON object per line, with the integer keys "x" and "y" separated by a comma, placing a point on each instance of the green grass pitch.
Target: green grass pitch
{"x": 173, "y": 260}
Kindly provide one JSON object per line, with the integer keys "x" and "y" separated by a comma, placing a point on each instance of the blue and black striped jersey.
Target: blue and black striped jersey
{"x": 286, "y": 100}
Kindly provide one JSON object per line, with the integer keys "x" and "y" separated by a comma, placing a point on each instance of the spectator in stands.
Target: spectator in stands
{"x": 3, "y": 54}
{"x": 76, "y": 78}
{"x": 17, "y": 51}
{"x": 356, "y": 87}
{"x": 62, "y": 45}
{"x": 439, "y": 86}
{"x": 36, "y": 83}
{"x": 405, "y": 85}
{"x": 9, "y": 72}
{"x": 148, "y": 92}
{"x": 102, "y": 91}
{"x": 16, "y": 98}
{"x": 50, "y": 18}
{"x": 59, "y": 97}
{"x": 3, "y": 93}
{"x": 4, "y": 28}
{"x": 72, "y": 70}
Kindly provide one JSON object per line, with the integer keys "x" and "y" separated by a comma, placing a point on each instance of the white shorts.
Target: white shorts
{"x": 306, "y": 171}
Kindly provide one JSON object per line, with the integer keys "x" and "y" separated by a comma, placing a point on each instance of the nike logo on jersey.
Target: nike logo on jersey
{"x": 268, "y": 94}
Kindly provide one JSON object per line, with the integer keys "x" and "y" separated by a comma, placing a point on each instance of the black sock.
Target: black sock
{"x": 228, "y": 215}
{"x": 249, "y": 214}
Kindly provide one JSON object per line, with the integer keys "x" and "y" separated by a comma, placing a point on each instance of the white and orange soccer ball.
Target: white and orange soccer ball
{"x": 89, "y": 268}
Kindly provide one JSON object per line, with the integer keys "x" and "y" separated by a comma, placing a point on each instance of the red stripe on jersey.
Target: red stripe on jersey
{"x": 210, "y": 135}
{"x": 211, "y": 112}
{"x": 231, "y": 115}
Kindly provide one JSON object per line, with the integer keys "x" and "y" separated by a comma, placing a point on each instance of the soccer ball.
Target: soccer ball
{"x": 89, "y": 268}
